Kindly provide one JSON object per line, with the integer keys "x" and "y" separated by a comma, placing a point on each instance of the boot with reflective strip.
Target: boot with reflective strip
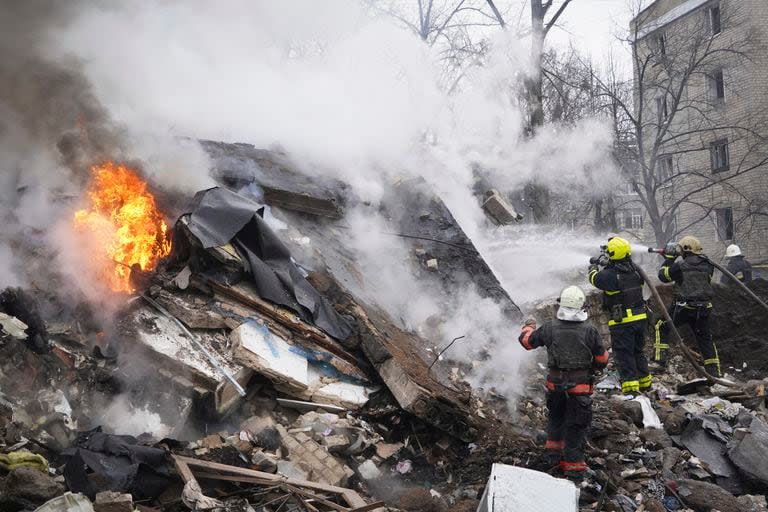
{"x": 646, "y": 383}
{"x": 630, "y": 387}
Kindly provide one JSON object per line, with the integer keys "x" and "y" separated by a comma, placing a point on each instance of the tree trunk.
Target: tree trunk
{"x": 537, "y": 196}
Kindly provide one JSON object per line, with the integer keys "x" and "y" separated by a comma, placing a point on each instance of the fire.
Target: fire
{"x": 125, "y": 218}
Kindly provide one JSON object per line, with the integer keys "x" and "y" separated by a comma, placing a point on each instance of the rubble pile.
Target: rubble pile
{"x": 255, "y": 370}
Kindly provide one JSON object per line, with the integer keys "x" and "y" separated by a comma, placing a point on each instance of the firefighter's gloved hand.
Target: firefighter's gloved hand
{"x": 671, "y": 251}
{"x": 601, "y": 260}
{"x": 530, "y": 321}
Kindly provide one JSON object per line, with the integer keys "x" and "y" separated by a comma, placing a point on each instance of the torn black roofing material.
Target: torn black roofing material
{"x": 220, "y": 216}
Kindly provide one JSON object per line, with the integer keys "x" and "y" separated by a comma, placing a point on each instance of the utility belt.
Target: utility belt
{"x": 573, "y": 382}
{"x": 619, "y": 314}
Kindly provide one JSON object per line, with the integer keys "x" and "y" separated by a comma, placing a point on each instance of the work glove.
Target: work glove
{"x": 671, "y": 252}
{"x": 530, "y": 322}
{"x": 601, "y": 260}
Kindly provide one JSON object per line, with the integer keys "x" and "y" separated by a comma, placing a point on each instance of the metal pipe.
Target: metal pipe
{"x": 679, "y": 340}
{"x": 211, "y": 358}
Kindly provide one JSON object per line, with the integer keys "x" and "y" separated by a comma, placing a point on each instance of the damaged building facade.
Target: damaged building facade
{"x": 708, "y": 138}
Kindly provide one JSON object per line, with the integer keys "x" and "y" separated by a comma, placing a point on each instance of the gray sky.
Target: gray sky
{"x": 592, "y": 25}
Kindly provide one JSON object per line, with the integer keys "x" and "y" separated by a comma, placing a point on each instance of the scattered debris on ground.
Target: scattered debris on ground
{"x": 239, "y": 377}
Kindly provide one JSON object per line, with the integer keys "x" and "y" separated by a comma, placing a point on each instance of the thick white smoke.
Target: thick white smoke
{"x": 346, "y": 92}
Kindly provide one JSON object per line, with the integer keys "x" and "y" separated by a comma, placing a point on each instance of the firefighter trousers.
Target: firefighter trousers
{"x": 628, "y": 342}
{"x": 698, "y": 319}
{"x": 569, "y": 420}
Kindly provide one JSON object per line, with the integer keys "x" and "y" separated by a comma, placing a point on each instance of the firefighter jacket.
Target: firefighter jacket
{"x": 692, "y": 277}
{"x": 739, "y": 267}
{"x": 622, "y": 287}
{"x": 574, "y": 351}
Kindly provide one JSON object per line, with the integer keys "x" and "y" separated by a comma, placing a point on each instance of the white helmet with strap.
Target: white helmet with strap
{"x": 732, "y": 250}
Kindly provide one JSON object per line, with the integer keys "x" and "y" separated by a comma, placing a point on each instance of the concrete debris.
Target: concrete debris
{"x": 512, "y": 488}
{"x": 325, "y": 379}
{"x": 29, "y": 485}
{"x": 706, "y": 496}
{"x": 368, "y": 470}
{"x": 109, "y": 501}
{"x": 13, "y": 327}
{"x": 499, "y": 208}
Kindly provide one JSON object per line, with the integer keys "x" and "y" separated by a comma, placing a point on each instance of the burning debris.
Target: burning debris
{"x": 125, "y": 223}
{"x": 254, "y": 369}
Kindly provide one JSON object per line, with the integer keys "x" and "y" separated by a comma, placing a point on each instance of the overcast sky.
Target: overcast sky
{"x": 592, "y": 26}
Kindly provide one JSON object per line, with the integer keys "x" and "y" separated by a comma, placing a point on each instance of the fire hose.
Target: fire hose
{"x": 211, "y": 358}
{"x": 679, "y": 340}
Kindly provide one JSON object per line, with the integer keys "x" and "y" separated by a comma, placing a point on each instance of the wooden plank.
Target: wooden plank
{"x": 317, "y": 498}
{"x": 369, "y": 507}
{"x": 352, "y": 498}
{"x": 183, "y": 469}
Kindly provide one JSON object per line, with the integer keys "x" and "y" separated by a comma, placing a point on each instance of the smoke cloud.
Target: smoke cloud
{"x": 346, "y": 93}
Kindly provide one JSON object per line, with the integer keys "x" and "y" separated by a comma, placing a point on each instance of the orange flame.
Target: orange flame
{"x": 123, "y": 214}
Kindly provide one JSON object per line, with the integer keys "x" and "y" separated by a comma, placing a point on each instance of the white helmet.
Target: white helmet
{"x": 572, "y": 297}
{"x": 572, "y": 301}
{"x": 732, "y": 250}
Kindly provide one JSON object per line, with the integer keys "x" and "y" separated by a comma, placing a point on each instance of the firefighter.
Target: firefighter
{"x": 737, "y": 265}
{"x": 622, "y": 287}
{"x": 574, "y": 352}
{"x": 691, "y": 303}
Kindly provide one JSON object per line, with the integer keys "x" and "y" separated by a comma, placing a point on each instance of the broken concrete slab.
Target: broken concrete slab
{"x": 499, "y": 209}
{"x": 706, "y": 496}
{"x": 256, "y": 347}
{"x": 511, "y": 489}
{"x": 749, "y": 451}
{"x": 711, "y": 450}
{"x": 314, "y": 459}
{"x": 109, "y": 501}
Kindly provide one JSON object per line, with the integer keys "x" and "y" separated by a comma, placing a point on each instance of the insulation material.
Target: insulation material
{"x": 512, "y": 489}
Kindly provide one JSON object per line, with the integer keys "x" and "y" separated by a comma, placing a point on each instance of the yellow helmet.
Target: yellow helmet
{"x": 618, "y": 248}
{"x": 690, "y": 244}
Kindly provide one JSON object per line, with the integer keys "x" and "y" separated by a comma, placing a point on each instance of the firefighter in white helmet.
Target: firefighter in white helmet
{"x": 575, "y": 351}
{"x": 737, "y": 265}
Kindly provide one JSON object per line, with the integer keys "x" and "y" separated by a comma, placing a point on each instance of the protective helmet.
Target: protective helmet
{"x": 618, "y": 248}
{"x": 690, "y": 244}
{"x": 732, "y": 250}
{"x": 572, "y": 297}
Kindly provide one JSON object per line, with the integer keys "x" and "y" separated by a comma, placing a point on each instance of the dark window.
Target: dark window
{"x": 718, "y": 153}
{"x": 715, "y": 25}
{"x": 632, "y": 218}
{"x": 662, "y": 112}
{"x": 716, "y": 85}
{"x": 665, "y": 170}
{"x": 724, "y": 223}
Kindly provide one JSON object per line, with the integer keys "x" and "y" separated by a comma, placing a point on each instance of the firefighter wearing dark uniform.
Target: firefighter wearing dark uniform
{"x": 574, "y": 352}
{"x": 622, "y": 287}
{"x": 737, "y": 265}
{"x": 691, "y": 304}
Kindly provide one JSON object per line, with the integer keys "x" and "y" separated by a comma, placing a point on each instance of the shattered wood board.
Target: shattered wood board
{"x": 163, "y": 338}
{"x": 515, "y": 489}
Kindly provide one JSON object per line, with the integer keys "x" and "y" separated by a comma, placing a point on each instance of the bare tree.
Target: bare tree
{"x": 684, "y": 148}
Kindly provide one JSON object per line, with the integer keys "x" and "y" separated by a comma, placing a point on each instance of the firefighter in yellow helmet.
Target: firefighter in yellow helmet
{"x": 622, "y": 287}
{"x": 691, "y": 304}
